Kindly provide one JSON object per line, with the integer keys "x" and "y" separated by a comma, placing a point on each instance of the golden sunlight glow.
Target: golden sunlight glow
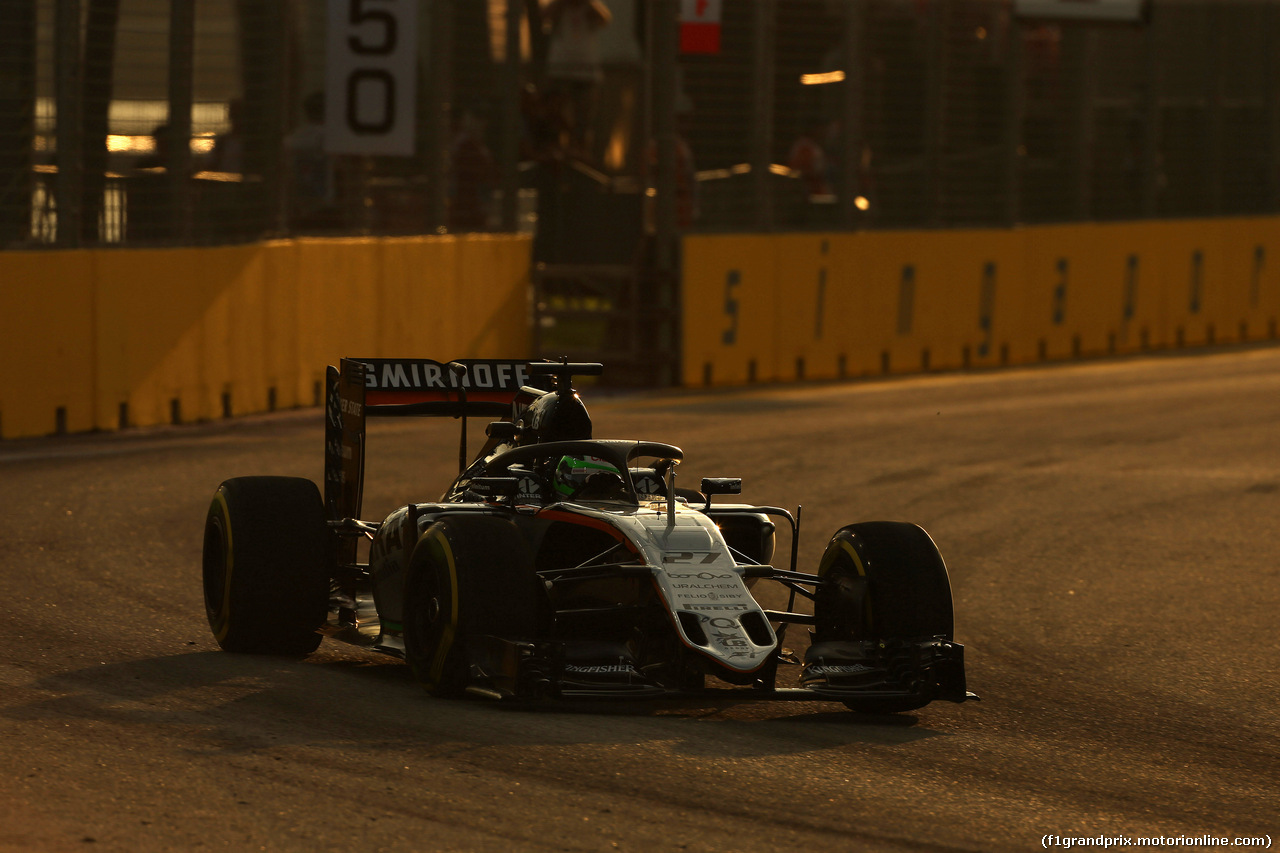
{"x": 118, "y": 143}
{"x": 618, "y": 147}
{"x": 820, "y": 79}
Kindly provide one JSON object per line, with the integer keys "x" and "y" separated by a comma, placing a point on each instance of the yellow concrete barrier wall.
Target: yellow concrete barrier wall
{"x": 782, "y": 307}
{"x": 97, "y": 339}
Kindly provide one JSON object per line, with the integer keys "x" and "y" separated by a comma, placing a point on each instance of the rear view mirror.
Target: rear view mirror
{"x": 721, "y": 486}
{"x": 495, "y": 487}
{"x": 501, "y": 430}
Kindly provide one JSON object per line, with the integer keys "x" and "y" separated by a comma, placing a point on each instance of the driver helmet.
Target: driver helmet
{"x": 573, "y": 472}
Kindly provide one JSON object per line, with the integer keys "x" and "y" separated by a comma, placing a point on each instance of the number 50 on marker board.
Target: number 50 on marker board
{"x": 370, "y": 78}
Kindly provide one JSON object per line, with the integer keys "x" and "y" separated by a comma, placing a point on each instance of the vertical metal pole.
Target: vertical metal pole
{"x": 666, "y": 81}
{"x": 762, "y": 67}
{"x": 182, "y": 36}
{"x": 936, "y": 115}
{"x": 509, "y": 154}
{"x": 96, "y": 87}
{"x": 852, "y": 48}
{"x": 665, "y": 36}
{"x": 265, "y": 34}
{"x": 1014, "y": 112}
{"x": 17, "y": 105}
{"x": 1272, "y": 16}
{"x": 70, "y": 108}
{"x": 1150, "y": 207}
{"x": 1217, "y": 95}
{"x": 1087, "y": 75}
{"x": 439, "y": 103}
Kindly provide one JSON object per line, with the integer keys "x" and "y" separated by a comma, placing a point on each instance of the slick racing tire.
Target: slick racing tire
{"x": 469, "y": 575}
{"x": 266, "y": 577}
{"x": 885, "y": 581}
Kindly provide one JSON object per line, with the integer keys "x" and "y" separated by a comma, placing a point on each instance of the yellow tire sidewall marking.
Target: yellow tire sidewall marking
{"x": 829, "y": 559}
{"x": 224, "y": 612}
{"x": 450, "y": 630}
{"x": 847, "y": 547}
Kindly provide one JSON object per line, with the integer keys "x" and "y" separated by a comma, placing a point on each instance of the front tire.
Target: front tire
{"x": 469, "y": 575}
{"x": 266, "y": 578}
{"x": 885, "y": 582}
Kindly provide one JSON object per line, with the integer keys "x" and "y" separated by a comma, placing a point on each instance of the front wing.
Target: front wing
{"x": 870, "y": 672}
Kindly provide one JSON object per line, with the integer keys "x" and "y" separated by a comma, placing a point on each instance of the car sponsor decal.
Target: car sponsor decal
{"x": 587, "y": 521}
{"x": 838, "y": 669}
{"x": 384, "y": 374}
{"x": 729, "y": 636}
{"x": 601, "y": 669}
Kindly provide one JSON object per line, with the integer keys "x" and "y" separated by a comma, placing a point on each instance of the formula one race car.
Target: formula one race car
{"x": 561, "y": 565}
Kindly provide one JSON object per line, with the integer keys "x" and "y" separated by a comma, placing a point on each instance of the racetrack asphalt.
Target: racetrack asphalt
{"x": 1112, "y": 531}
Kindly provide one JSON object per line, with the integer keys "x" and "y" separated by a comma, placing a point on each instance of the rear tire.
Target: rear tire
{"x": 469, "y": 575}
{"x": 886, "y": 581}
{"x": 266, "y": 577}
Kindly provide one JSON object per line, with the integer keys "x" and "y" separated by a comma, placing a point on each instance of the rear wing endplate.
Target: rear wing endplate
{"x": 376, "y": 387}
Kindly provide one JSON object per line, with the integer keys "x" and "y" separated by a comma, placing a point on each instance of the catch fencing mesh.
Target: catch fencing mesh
{"x": 154, "y": 122}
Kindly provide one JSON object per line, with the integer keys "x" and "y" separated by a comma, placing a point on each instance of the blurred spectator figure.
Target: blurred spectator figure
{"x": 473, "y": 175}
{"x": 809, "y": 159}
{"x": 686, "y": 184}
{"x": 686, "y": 170}
{"x": 545, "y": 125}
{"x": 228, "y": 148}
{"x": 312, "y": 174}
{"x": 842, "y": 155}
{"x": 573, "y": 62}
{"x": 150, "y": 215}
{"x": 161, "y": 149}
{"x": 543, "y": 144}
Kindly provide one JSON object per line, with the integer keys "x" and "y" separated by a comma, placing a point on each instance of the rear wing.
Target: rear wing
{"x": 360, "y": 388}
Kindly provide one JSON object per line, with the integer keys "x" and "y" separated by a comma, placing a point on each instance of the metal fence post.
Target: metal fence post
{"x": 439, "y": 106}
{"x": 182, "y": 36}
{"x": 69, "y": 110}
{"x": 1273, "y": 116}
{"x": 1086, "y": 66}
{"x": 96, "y": 91}
{"x": 763, "y": 45}
{"x": 936, "y": 114}
{"x": 853, "y": 50}
{"x": 263, "y": 37}
{"x": 665, "y": 84}
{"x": 17, "y": 105}
{"x": 1151, "y": 123}
{"x": 1217, "y": 95}
{"x": 665, "y": 52}
{"x": 1014, "y": 110}
{"x": 509, "y": 153}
